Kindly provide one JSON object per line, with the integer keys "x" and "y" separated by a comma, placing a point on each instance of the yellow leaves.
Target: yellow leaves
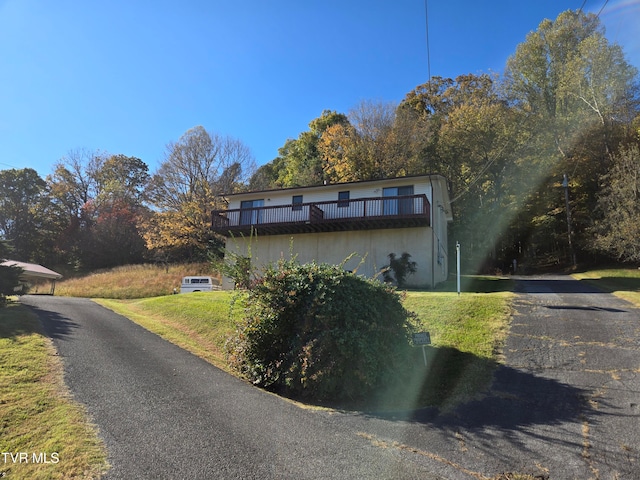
{"x": 173, "y": 229}
{"x": 338, "y": 152}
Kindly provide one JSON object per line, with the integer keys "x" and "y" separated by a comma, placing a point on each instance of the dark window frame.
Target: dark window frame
{"x": 251, "y": 211}
{"x": 343, "y": 199}
{"x": 398, "y": 206}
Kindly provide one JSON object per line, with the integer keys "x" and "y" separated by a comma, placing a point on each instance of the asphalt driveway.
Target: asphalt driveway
{"x": 166, "y": 414}
{"x": 563, "y": 406}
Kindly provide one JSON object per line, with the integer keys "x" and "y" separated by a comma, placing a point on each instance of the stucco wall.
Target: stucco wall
{"x": 370, "y": 246}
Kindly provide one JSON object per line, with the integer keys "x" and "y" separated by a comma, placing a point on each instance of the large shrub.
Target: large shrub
{"x": 319, "y": 332}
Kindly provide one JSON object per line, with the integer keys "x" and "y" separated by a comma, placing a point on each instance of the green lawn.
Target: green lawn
{"x": 624, "y": 283}
{"x": 38, "y": 415}
{"x": 467, "y": 333}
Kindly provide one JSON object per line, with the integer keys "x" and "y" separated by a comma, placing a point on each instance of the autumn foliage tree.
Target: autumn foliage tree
{"x": 361, "y": 146}
{"x": 577, "y": 94}
{"x": 99, "y": 201}
{"x": 188, "y": 185}
{"x": 567, "y": 103}
{"x": 564, "y": 105}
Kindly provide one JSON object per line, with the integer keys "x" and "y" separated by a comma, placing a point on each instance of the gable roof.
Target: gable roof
{"x": 333, "y": 186}
{"x": 32, "y": 269}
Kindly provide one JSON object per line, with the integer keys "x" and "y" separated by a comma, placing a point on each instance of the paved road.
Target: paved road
{"x": 564, "y": 405}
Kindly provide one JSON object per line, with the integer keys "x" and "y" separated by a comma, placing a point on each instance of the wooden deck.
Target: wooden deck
{"x": 330, "y": 216}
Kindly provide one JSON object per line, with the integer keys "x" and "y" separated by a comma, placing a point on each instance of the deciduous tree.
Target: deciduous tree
{"x": 100, "y": 200}
{"x": 617, "y": 230}
{"x": 23, "y": 209}
{"x": 574, "y": 89}
{"x": 300, "y": 162}
{"x": 196, "y": 171}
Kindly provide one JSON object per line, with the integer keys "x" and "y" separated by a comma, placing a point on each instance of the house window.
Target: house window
{"x": 297, "y": 202}
{"x": 250, "y": 212}
{"x": 343, "y": 199}
{"x": 398, "y": 206}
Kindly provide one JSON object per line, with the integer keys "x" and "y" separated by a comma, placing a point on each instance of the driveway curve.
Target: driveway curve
{"x": 166, "y": 414}
{"x": 563, "y": 405}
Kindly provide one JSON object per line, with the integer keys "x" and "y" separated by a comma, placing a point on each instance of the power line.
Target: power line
{"x": 605, "y": 4}
{"x": 426, "y": 19}
{"x": 582, "y": 6}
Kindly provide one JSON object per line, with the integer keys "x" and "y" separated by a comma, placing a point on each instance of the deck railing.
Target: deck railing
{"x": 317, "y": 216}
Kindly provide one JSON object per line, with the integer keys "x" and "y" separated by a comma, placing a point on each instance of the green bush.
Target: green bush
{"x": 316, "y": 331}
{"x": 9, "y": 280}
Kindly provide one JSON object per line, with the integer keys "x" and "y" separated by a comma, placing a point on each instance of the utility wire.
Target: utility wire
{"x": 605, "y": 4}
{"x": 426, "y": 19}
{"x": 582, "y": 6}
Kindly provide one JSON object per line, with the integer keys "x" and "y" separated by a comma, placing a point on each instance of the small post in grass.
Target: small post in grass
{"x": 422, "y": 338}
{"x": 458, "y": 265}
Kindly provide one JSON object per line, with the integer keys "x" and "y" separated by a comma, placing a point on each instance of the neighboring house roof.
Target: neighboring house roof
{"x": 32, "y": 270}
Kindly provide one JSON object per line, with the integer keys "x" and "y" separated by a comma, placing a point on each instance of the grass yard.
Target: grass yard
{"x": 131, "y": 281}
{"x": 39, "y": 422}
{"x": 624, "y": 283}
{"x": 467, "y": 332}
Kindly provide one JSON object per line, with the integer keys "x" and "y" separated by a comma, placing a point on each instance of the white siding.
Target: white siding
{"x": 325, "y": 193}
{"x": 428, "y": 246}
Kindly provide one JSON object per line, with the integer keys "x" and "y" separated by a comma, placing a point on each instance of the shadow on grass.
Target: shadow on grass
{"x": 16, "y": 321}
{"x": 477, "y": 284}
{"x": 51, "y": 323}
{"x": 614, "y": 284}
{"x": 460, "y": 389}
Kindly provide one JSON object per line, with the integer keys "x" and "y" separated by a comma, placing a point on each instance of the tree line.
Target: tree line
{"x": 99, "y": 210}
{"x": 566, "y": 106}
{"x": 543, "y": 163}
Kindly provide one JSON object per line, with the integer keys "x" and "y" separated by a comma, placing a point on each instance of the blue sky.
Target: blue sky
{"x": 130, "y": 76}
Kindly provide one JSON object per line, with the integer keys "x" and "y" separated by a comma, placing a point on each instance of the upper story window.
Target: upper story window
{"x": 296, "y": 201}
{"x": 402, "y": 206}
{"x": 250, "y": 212}
{"x": 343, "y": 199}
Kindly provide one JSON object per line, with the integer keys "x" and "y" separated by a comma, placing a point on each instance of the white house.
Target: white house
{"x": 328, "y": 223}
